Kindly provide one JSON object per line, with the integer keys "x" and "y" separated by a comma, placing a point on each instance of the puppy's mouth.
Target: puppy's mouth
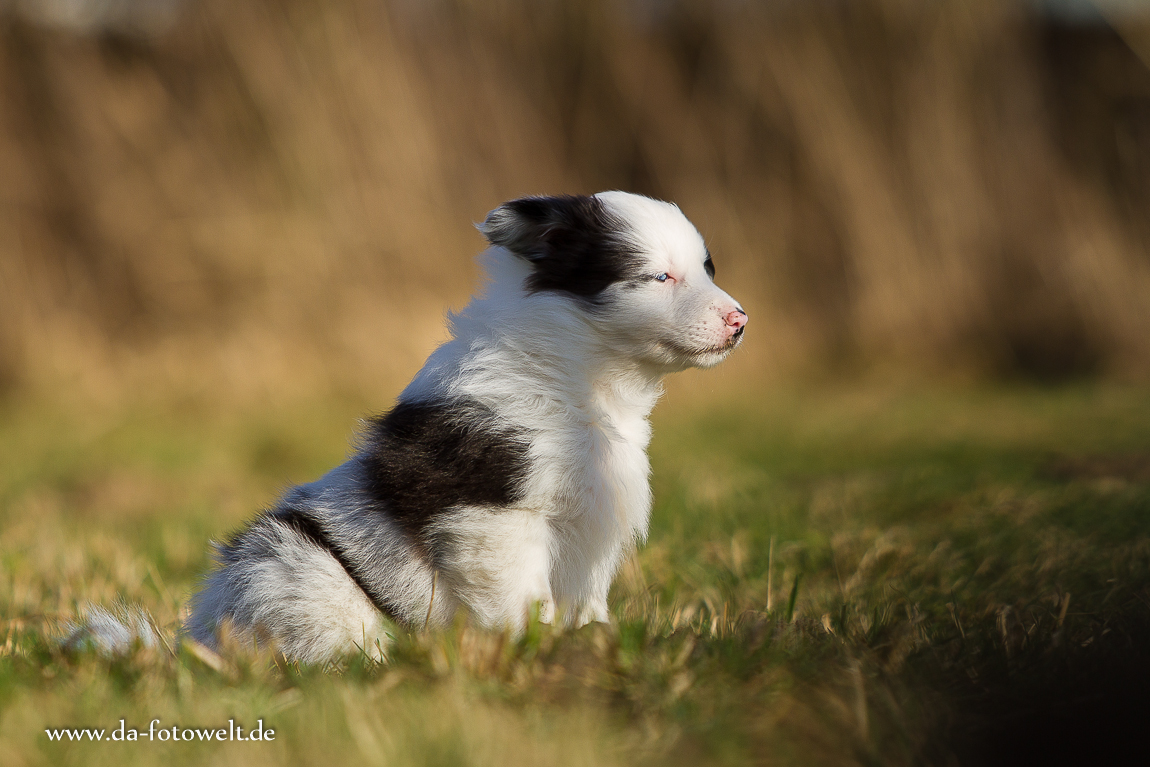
{"x": 723, "y": 348}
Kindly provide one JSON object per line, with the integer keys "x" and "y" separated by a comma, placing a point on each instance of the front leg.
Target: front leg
{"x": 582, "y": 580}
{"x": 598, "y": 584}
{"x": 497, "y": 563}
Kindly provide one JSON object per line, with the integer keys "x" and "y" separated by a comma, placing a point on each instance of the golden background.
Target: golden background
{"x": 232, "y": 201}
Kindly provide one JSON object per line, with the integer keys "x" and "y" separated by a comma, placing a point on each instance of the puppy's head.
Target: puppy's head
{"x": 637, "y": 267}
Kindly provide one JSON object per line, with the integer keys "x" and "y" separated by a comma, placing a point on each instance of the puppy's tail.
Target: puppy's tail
{"x": 114, "y": 630}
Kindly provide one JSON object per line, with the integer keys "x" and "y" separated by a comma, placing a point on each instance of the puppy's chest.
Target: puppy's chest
{"x": 596, "y": 469}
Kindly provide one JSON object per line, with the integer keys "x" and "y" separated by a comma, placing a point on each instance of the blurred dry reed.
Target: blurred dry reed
{"x": 276, "y": 197}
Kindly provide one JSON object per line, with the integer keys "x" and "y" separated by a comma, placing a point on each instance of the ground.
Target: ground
{"x": 838, "y": 575}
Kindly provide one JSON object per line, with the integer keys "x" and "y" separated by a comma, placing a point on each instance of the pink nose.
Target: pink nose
{"x": 736, "y": 319}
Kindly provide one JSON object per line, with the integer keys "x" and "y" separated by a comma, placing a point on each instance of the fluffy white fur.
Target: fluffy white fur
{"x": 579, "y": 380}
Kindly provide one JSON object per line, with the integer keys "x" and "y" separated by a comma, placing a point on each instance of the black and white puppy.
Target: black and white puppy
{"x": 513, "y": 470}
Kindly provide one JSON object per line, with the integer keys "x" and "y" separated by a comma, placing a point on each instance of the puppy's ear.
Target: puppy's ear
{"x": 537, "y": 227}
{"x": 574, "y": 243}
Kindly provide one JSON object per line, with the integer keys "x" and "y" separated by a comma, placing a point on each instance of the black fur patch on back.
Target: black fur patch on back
{"x": 425, "y": 457}
{"x": 575, "y": 244}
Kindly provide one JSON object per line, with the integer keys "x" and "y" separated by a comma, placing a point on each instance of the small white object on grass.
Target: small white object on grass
{"x": 111, "y": 630}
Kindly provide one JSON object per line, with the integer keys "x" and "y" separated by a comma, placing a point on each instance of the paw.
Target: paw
{"x": 546, "y": 611}
{"x": 596, "y": 613}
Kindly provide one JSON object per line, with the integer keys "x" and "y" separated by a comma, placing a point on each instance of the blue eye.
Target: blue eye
{"x": 661, "y": 277}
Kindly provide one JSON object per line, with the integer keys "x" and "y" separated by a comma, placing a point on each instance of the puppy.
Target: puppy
{"x": 513, "y": 470}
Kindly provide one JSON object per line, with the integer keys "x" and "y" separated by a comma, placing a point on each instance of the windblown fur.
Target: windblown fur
{"x": 513, "y": 469}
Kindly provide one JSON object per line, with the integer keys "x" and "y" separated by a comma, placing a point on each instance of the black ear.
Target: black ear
{"x": 575, "y": 244}
{"x": 530, "y": 227}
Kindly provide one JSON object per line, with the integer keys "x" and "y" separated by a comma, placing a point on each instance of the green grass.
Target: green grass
{"x": 831, "y": 577}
